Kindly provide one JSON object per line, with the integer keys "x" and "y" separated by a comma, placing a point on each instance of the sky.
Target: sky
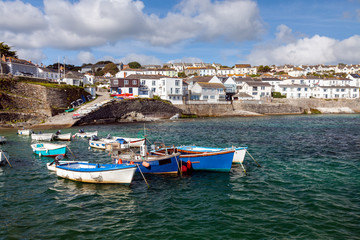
{"x": 229, "y": 32}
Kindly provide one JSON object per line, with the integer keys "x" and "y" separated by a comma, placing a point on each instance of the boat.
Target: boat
{"x": 239, "y": 154}
{"x": 134, "y": 142}
{"x": 97, "y": 173}
{"x": 2, "y": 139}
{"x": 69, "y": 110}
{"x": 58, "y": 161}
{"x": 63, "y": 137}
{"x": 49, "y": 149}
{"x": 156, "y": 164}
{"x": 4, "y": 157}
{"x": 219, "y": 161}
{"x": 25, "y": 132}
{"x": 42, "y": 136}
{"x": 83, "y": 134}
{"x": 101, "y": 143}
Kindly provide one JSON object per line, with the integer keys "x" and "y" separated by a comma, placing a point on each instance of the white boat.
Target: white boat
{"x": 95, "y": 142}
{"x": 4, "y": 157}
{"x": 63, "y": 137}
{"x": 97, "y": 173}
{"x": 134, "y": 142}
{"x": 52, "y": 166}
{"x": 2, "y": 139}
{"x": 86, "y": 134}
{"x": 42, "y": 136}
{"x": 25, "y": 132}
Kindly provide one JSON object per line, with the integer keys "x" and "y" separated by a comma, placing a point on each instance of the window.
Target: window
{"x": 254, "y": 93}
{"x": 177, "y": 90}
{"x": 142, "y": 82}
{"x": 163, "y": 82}
{"x": 134, "y": 82}
{"x": 299, "y": 89}
{"x": 355, "y": 89}
{"x": 284, "y": 89}
{"x": 171, "y": 91}
{"x": 153, "y": 89}
{"x": 205, "y": 97}
{"x": 254, "y": 88}
{"x": 116, "y": 82}
{"x": 130, "y": 90}
{"x": 262, "y": 88}
{"x": 305, "y": 89}
{"x": 343, "y": 90}
{"x": 212, "y": 97}
{"x": 153, "y": 82}
{"x": 177, "y": 82}
{"x": 338, "y": 90}
{"x": 126, "y": 82}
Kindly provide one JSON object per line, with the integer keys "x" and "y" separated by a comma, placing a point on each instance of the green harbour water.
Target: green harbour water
{"x": 307, "y": 188}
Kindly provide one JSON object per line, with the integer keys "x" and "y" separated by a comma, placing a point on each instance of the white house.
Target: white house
{"x": 297, "y": 72}
{"x": 208, "y": 92}
{"x": 88, "y": 79}
{"x": 225, "y": 72}
{"x": 48, "y": 73}
{"x": 331, "y": 92}
{"x": 244, "y": 69}
{"x": 295, "y": 90}
{"x": 274, "y": 82}
{"x": 257, "y": 89}
{"x": 355, "y": 79}
{"x": 230, "y": 85}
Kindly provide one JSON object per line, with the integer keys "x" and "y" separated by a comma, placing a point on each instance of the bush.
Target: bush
{"x": 277, "y": 95}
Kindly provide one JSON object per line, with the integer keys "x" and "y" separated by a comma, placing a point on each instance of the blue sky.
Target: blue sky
{"x": 228, "y": 32}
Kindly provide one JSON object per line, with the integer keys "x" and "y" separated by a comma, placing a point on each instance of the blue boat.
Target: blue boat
{"x": 239, "y": 154}
{"x": 49, "y": 149}
{"x": 156, "y": 164}
{"x": 219, "y": 161}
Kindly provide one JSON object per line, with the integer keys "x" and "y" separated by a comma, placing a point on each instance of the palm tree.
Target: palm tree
{"x": 6, "y": 50}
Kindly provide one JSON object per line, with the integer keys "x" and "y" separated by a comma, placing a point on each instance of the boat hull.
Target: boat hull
{"x": 63, "y": 137}
{"x": 167, "y": 164}
{"x": 97, "y": 173}
{"x": 86, "y": 134}
{"x": 238, "y": 158}
{"x": 2, "y": 139}
{"x": 134, "y": 142}
{"x": 49, "y": 150}
{"x": 42, "y": 136}
{"x": 210, "y": 161}
{"x": 26, "y": 132}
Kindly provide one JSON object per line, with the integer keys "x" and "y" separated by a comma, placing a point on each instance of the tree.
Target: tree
{"x": 263, "y": 69}
{"x": 111, "y": 68}
{"x": 182, "y": 75}
{"x": 134, "y": 65}
{"x": 6, "y": 50}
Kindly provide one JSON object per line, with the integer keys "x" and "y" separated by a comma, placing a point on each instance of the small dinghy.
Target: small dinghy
{"x": 42, "y": 136}
{"x": 2, "y": 139}
{"x": 49, "y": 149}
{"x": 62, "y": 137}
{"x": 83, "y": 134}
{"x": 25, "y": 132}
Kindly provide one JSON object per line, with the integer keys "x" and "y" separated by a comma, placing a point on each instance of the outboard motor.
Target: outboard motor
{"x": 143, "y": 150}
{"x": 95, "y": 138}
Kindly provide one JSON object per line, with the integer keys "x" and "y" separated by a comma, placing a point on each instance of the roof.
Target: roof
{"x": 211, "y": 85}
{"x": 141, "y": 76}
{"x": 294, "y": 85}
{"x": 271, "y": 79}
{"x": 200, "y": 79}
{"x": 258, "y": 83}
{"x": 242, "y": 65}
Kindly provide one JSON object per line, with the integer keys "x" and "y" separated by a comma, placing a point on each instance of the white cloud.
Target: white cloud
{"x": 34, "y": 55}
{"x": 17, "y": 17}
{"x": 86, "y": 57}
{"x": 142, "y": 59}
{"x": 186, "y": 60}
{"x": 314, "y": 50}
{"x": 91, "y": 23}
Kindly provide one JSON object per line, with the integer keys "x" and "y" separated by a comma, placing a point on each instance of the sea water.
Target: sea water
{"x": 308, "y": 185}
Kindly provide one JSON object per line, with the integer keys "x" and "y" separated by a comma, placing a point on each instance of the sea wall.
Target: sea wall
{"x": 274, "y": 106}
{"x": 19, "y": 97}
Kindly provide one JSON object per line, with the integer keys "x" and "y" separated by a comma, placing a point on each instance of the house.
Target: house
{"x": 297, "y": 72}
{"x": 295, "y": 90}
{"x": 49, "y": 74}
{"x": 89, "y": 79}
{"x": 355, "y": 79}
{"x": 274, "y": 82}
{"x": 244, "y": 69}
{"x": 332, "y": 92}
{"x": 225, "y": 72}
{"x": 128, "y": 85}
{"x": 208, "y": 92}
{"x": 19, "y": 67}
{"x": 230, "y": 86}
{"x": 73, "y": 78}
{"x": 257, "y": 89}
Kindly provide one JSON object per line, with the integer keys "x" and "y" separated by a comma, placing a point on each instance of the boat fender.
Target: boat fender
{"x": 183, "y": 168}
{"x": 146, "y": 164}
{"x": 188, "y": 164}
{"x": 131, "y": 162}
{"x": 119, "y": 161}
{"x": 73, "y": 136}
